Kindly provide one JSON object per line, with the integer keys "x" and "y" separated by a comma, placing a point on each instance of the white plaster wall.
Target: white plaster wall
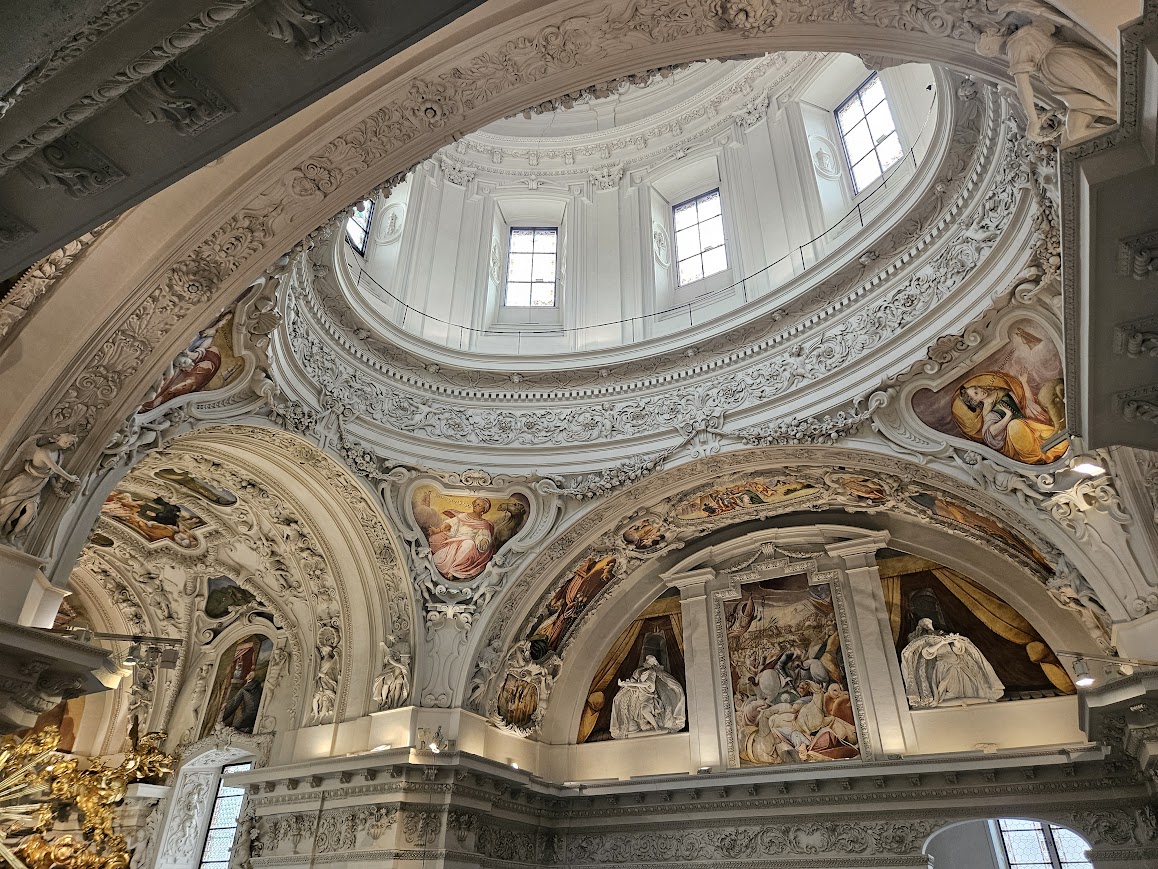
{"x": 1016, "y": 724}
{"x": 964, "y": 846}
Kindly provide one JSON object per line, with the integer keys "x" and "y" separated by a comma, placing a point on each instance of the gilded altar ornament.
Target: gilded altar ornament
{"x": 39, "y": 786}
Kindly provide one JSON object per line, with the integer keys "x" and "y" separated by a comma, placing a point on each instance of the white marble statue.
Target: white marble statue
{"x": 38, "y": 460}
{"x": 326, "y": 685}
{"x": 1078, "y": 76}
{"x": 942, "y": 669}
{"x": 650, "y": 701}
{"x": 392, "y": 687}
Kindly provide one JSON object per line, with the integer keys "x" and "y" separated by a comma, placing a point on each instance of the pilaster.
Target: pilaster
{"x": 699, "y": 649}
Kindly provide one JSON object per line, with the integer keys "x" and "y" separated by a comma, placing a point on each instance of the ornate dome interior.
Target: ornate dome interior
{"x": 601, "y": 435}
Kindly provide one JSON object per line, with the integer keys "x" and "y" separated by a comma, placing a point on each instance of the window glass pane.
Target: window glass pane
{"x": 690, "y": 270}
{"x": 866, "y": 172}
{"x": 688, "y": 241}
{"x": 684, "y": 215}
{"x": 712, "y": 232}
{"x": 518, "y": 295}
{"x": 545, "y": 241}
{"x": 715, "y": 260}
{"x": 522, "y": 240}
{"x": 858, "y": 142}
{"x": 542, "y": 295}
{"x": 1026, "y": 847}
{"x": 1071, "y": 848}
{"x": 543, "y": 267}
{"x": 849, "y": 114}
{"x": 520, "y": 267}
{"x": 880, "y": 122}
{"x": 890, "y": 151}
{"x": 872, "y": 93}
{"x": 1018, "y": 824}
{"x": 708, "y": 205}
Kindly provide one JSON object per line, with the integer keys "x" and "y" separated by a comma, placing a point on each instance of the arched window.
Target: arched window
{"x": 1034, "y": 845}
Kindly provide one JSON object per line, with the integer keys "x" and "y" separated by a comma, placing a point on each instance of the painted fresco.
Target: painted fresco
{"x": 202, "y": 488}
{"x": 656, "y": 632}
{"x": 747, "y": 495}
{"x": 464, "y": 531}
{"x": 235, "y": 697}
{"x": 224, "y": 596}
{"x": 789, "y": 687}
{"x": 208, "y": 363}
{"x": 567, "y": 604}
{"x": 644, "y": 535}
{"x": 1013, "y": 401}
{"x": 154, "y": 518}
{"x": 959, "y": 514}
{"x": 916, "y": 588}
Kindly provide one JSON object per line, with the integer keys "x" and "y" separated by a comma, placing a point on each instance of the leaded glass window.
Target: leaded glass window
{"x": 223, "y": 820}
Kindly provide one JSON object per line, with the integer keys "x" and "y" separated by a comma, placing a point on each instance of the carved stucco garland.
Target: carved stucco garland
{"x": 430, "y": 105}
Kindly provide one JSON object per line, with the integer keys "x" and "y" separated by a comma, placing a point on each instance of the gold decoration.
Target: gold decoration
{"x": 39, "y": 786}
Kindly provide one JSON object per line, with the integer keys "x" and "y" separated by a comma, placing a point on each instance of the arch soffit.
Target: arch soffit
{"x": 272, "y": 469}
{"x": 598, "y": 530}
{"x": 266, "y": 195}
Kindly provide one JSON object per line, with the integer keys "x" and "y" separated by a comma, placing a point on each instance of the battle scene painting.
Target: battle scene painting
{"x": 657, "y": 632}
{"x": 747, "y": 495}
{"x": 154, "y": 518}
{"x": 208, "y": 363}
{"x": 464, "y": 531}
{"x": 789, "y": 685}
{"x": 916, "y": 588}
{"x": 235, "y": 696}
{"x": 1012, "y": 402}
{"x": 202, "y": 488}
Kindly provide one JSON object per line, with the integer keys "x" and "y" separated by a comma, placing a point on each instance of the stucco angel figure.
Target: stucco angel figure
{"x": 392, "y": 687}
{"x": 942, "y": 669}
{"x": 38, "y": 460}
{"x": 1078, "y": 76}
{"x": 651, "y": 700}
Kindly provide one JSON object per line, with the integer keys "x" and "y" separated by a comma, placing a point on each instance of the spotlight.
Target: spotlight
{"x": 1082, "y": 671}
{"x": 133, "y": 656}
{"x": 514, "y": 765}
{"x": 703, "y": 770}
{"x": 383, "y": 747}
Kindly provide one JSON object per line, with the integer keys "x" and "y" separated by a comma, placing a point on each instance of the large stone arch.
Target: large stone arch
{"x": 302, "y": 535}
{"x": 132, "y": 296}
{"x": 595, "y": 532}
